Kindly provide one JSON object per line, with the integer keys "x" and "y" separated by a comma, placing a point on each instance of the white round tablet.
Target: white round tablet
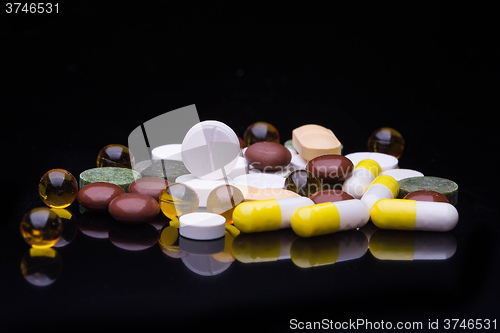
{"x": 202, "y": 226}
{"x": 385, "y": 161}
{"x": 210, "y": 150}
{"x": 260, "y": 180}
{"x": 399, "y": 174}
{"x": 167, "y": 152}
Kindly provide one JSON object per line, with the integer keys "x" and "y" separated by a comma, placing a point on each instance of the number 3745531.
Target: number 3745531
{"x": 31, "y": 8}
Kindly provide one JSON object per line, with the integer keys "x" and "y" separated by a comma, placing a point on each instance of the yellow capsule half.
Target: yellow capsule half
{"x": 267, "y": 215}
{"x": 329, "y": 217}
{"x": 257, "y": 216}
{"x": 369, "y": 165}
{"x": 320, "y": 219}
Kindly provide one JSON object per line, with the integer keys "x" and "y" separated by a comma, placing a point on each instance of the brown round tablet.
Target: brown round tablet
{"x": 330, "y": 167}
{"x": 134, "y": 208}
{"x": 330, "y": 196}
{"x": 268, "y": 156}
{"x": 426, "y": 195}
{"x": 151, "y": 186}
{"x": 97, "y": 196}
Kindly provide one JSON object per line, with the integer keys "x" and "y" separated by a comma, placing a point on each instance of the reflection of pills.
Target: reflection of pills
{"x": 419, "y": 245}
{"x": 202, "y": 226}
{"x": 204, "y": 265}
{"x": 210, "y": 150}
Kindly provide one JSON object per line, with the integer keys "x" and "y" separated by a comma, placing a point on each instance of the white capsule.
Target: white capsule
{"x": 383, "y": 187}
{"x": 361, "y": 177}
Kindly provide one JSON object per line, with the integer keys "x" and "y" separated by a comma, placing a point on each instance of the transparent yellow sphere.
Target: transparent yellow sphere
{"x": 260, "y": 131}
{"x": 388, "y": 141}
{"x": 58, "y": 188}
{"x": 41, "y": 227}
{"x": 178, "y": 199}
{"x": 114, "y": 155}
{"x": 223, "y": 199}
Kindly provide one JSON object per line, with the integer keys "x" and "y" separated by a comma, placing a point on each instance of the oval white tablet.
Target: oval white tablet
{"x": 167, "y": 152}
{"x": 260, "y": 180}
{"x": 210, "y": 150}
{"x": 399, "y": 174}
{"x": 385, "y": 161}
{"x": 202, "y": 226}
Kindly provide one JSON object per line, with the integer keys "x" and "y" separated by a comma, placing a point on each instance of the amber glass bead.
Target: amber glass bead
{"x": 178, "y": 199}
{"x": 114, "y": 155}
{"x": 388, "y": 141}
{"x": 58, "y": 188}
{"x": 260, "y": 131}
{"x": 41, "y": 227}
{"x": 302, "y": 182}
{"x": 222, "y": 201}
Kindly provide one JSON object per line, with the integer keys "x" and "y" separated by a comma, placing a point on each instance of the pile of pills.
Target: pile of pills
{"x": 254, "y": 184}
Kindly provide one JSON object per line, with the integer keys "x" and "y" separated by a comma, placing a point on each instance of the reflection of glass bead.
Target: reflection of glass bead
{"x": 178, "y": 199}
{"x": 169, "y": 242}
{"x": 41, "y": 227}
{"x": 302, "y": 182}
{"x": 114, "y": 155}
{"x": 58, "y": 188}
{"x": 260, "y": 131}
{"x": 388, "y": 141}
{"x": 68, "y": 221}
{"x": 41, "y": 267}
{"x": 222, "y": 201}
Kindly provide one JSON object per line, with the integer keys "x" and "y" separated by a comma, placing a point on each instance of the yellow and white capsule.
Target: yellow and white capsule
{"x": 362, "y": 176}
{"x": 383, "y": 187}
{"x": 402, "y": 214}
{"x": 267, "y": 215}
{"x": 329, "y": 217}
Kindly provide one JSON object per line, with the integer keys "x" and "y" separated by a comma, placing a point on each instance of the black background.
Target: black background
{"x": 76, "y": 81}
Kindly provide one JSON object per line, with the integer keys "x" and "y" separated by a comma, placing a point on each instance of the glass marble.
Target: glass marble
{"x": 41, "y": 227}
{"x": 58, "y": 188}
{"x": 178, "y": 199}
{"x": 41, "y": 267}
{"x": 114, "y": 155}
{"x": 302, "y": 182}
{"x": 386, "y": 140}
{"x": 260, "y": 131}
{"x": 222, "y": 201}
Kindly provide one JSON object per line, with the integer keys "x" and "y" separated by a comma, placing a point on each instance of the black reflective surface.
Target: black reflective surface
{"x": 86, "y": 78}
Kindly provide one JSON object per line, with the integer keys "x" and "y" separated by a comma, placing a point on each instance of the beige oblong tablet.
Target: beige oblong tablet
{"x": 252, "y": 193}
{"x": 312, "y": 141}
